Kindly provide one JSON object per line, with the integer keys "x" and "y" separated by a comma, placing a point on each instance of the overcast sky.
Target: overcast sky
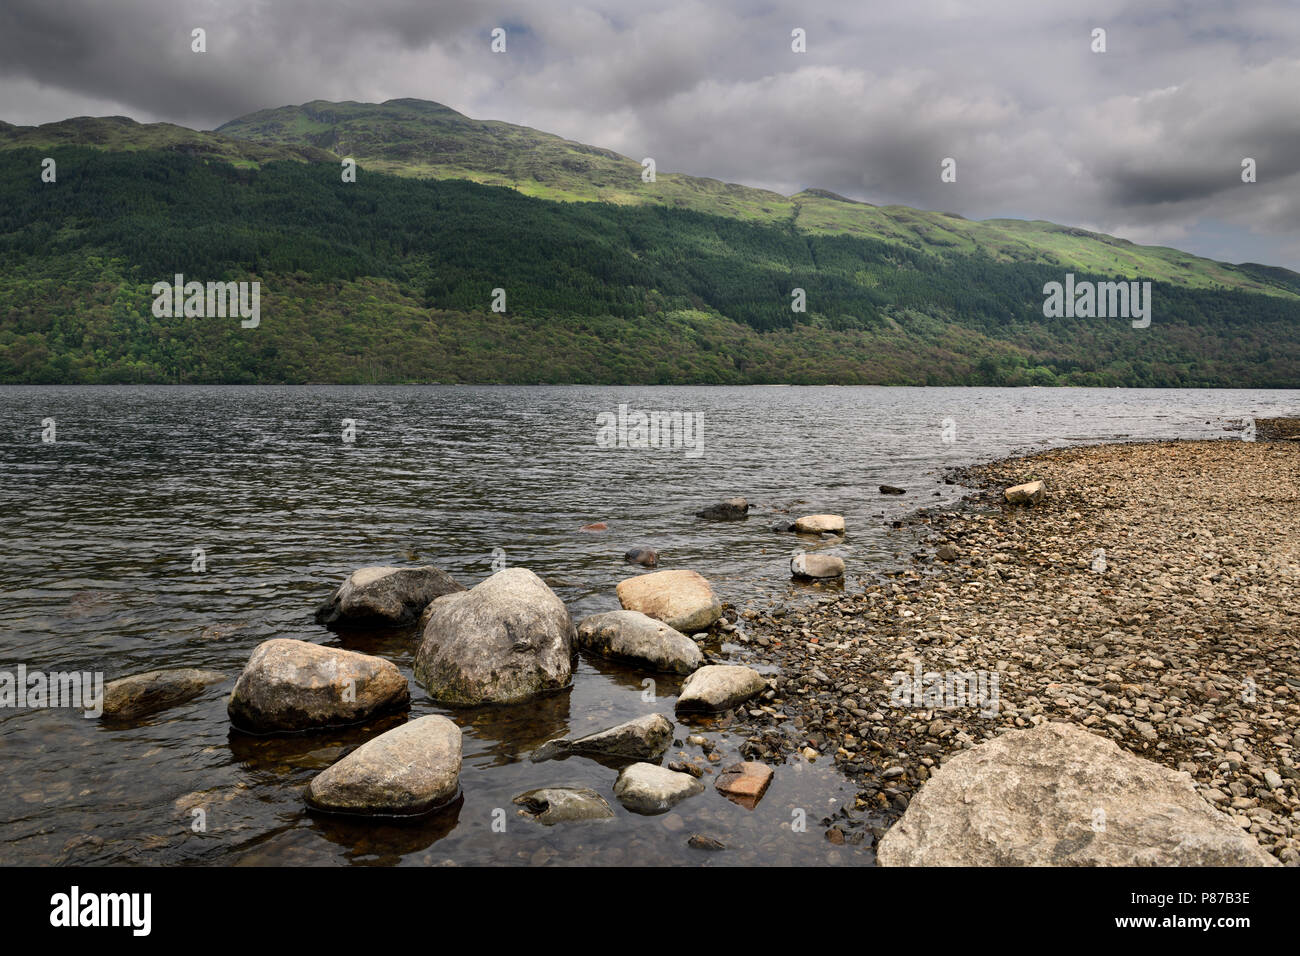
{"x": 1143, "y": 141}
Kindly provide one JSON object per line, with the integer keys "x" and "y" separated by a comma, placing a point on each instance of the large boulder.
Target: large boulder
{"x": 128, "y": 698}
{"x": 409, "y": 770}
{"x": 820, "y": 524}
{"x": 293, "y": 685}
{"x": 720, "y": 687}
{"x": 552, "y": 805}
{"x": 648, "y": 788}
{"x": 733, "y": 509}
{"x": 385, "y": 595}
{"x": 645, "y": 738}
{"x": 639, "y": 638}
{"x": 815, "y": 566}
{"x": 503, "y": 641}
{"x": 681, "y": 599}
{"x": 1057, "y": 795}
{"x": 1029, "y": 493}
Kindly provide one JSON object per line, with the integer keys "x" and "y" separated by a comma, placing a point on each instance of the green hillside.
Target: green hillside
{"x": 608, "y": 278}
{"x": 419, "y": 138}
{"x": 390, "y": 279}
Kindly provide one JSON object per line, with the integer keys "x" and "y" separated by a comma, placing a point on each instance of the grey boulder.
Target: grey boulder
{"x": 385, "y": 595}
{"x": 720, "y": 687}
{"x": 645, "y": 738}
{"x": 817, "y": 566}
{"x": 503, "y": 641}
{"x": 733, "y": 509}
{"x": 1030, "y": 493}
{"x": 681, "y": 599}
{"x": 639, "y": 638}
{"x": 292, "y": 685}
{"x": 648, "y": 788}
{"x": 140, "y": 694}
{"x": 552, "y": 805}
{"x": 409, "y": 770}
{"x": 646, "y": 557}
{"x": 1057, "y": 795}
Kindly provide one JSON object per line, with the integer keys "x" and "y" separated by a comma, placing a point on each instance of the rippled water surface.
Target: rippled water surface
{"x": 100, "y": 528}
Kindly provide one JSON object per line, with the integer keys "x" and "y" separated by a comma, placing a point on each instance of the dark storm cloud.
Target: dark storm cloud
{"x": 1144, "y": 140}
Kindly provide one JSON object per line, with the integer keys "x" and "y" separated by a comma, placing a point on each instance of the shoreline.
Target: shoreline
{"x": 1149, "y": 599}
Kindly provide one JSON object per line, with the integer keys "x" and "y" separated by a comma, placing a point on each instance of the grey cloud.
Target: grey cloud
{"x": 1144, "y": 140}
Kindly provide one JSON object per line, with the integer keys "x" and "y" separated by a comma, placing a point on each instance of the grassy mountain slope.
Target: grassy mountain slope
{"x": 412, "y": 137}
{"x": 390, "y": 279}
{"x": 120, "y": 134}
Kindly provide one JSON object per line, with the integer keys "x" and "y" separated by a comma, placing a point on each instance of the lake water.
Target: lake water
{"x": 101, "y": 527}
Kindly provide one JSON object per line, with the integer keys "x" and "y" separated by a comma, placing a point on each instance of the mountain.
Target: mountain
{"x": 119, "y": 133}
{"x": 608, "y": 278}
{"x": 410, "y": 137}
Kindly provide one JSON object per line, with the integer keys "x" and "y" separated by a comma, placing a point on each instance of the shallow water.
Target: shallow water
{"x": 100, "y": 528}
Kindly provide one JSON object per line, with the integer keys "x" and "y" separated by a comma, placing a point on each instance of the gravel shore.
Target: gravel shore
{"x": 1151, "y": 598}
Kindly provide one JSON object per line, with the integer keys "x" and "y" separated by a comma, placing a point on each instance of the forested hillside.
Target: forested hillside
{"x": 391, "y": 279}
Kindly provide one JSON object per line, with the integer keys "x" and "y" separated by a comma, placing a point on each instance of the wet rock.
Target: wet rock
{"x": 720, "y": 687}
{"x": 552, "y": 805}
{"x": 409, "y": 770}
{"x": 1027, "y": 494}
{"x": 645, "y": 738}
{"x": 783, "y": 526}
{"x": 698, "y": 841}
{"x": 505, "y": 640}
{"x": 633, "y": 636}
{"x": 817, "y": 566}
{"x": 733, "y": 509}
{"x": 744, "y": 783}
{"x": 891, "y": 490}
{"x": 1058, "y": 795}
{"x": 141, "y": 694}
{"x": 820, "y": 524}
{"x": 292, "y": 685}
{"x": 947, "y": 552}
{"x": 646, "y": 557}
{"x": 681, "y": 599}
{"x": 647, "y": 788}
{"x": 385, "y": 595}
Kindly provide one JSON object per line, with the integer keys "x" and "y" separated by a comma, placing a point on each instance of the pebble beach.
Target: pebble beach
{"x": 1149, "y": 597}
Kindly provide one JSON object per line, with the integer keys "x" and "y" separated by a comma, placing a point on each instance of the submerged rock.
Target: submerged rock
{"x": 645, "y": 738}
{"x": 892, "y": 490}
{"x": 409, "y": 770}
{"x": 681, "y": 599}
{"x": 698, "y": 841}
{"x": 720, "y": 687}
{"x": 385, "y": 595}
{"x": 140, "y": 694}
{"x": 1027, "y": 494}
{"x": 733, "y": 509}
{"x": 646, "y": 557}
{"x": 503, "y": 641}
{"x": 633, "y": 636}
{"x": 820, "y": 524}
{"x": 292, "y": 685}
{"x": 817, "y": 566}
{"x": 552, "y": 805}
{"x": 744, "y": 783}
{"x": 647, "y": 788}
{"x": 1057, "y": 795}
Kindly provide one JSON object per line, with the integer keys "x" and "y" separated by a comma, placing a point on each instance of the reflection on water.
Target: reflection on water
{"x": 100, "y": 532}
